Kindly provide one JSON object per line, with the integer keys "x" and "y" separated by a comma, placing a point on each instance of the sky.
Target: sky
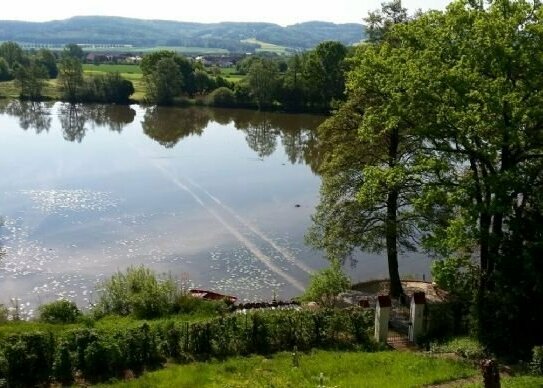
{"x": 284, "y": 12}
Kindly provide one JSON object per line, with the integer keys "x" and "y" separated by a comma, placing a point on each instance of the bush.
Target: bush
{"x": 462, "y": 346}
{"x": 109, "y": 88}
{"x": 137, "y": 292}
{"x": 536, "y": 365}
{"x": 60, "y": 311}
{"x": 326, "y": 284}
{"x": 29, "y": 359}
{"x": 222, "y": 97}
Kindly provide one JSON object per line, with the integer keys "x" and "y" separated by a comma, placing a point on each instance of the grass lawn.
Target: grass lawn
{"x": 339, "y": 369}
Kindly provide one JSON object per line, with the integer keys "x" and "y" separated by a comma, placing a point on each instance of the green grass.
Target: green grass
{"x": 463, "y": 346}
{"x": 513, "y": 382}
{"x": 282, "y": 50}
{"x": 340, "y": 369}
{"x": 8, "y": 89}
{"x": 111, "y": 68}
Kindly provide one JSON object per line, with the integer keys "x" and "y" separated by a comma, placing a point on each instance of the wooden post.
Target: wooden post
{"x": 382, "y": 316}
{"x": 491, "y": 374}
{"x": 416, "y": 316}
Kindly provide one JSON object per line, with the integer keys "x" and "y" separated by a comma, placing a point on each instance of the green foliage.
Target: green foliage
{"x": 70, "y": 78}
{"x": 163, "y": 78}
{"x": 29, "y": 358}
{"x": 324, "y": 73}
{"x": 60, "y": 311}
{"x": 137, "y": 292}
{"x": 536, "y": 365}
{"x": 12, "y": 53}
{"x": 457, "y": 275}
{"x": 326, "y": 284}
{"x": 5, "y": 74}
{"x": 262, "y": 80}
{"x": 47, "y": 59}
{"x": 30, "y": 79}
{"x": 222, "y": 97}
{"x": 465, "y": 347}
{"x": 108, "y": 88}
{"x": 104, "y": 351}
{"x": 74, "y": 51}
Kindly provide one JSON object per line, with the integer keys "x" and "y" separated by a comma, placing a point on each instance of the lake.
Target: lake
{"x": 220, "y": 199}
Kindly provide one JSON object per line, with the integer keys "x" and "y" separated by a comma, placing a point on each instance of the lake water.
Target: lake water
{"x": 221, "y": 197}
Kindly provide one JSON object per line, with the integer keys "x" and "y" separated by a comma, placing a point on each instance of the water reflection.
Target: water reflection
{"x": 31, "y": 114}
{"x": 74, "y": 118}
{"x": 169, "y": 125}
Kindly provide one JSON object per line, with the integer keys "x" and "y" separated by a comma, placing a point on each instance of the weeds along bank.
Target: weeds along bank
{"x": 31, "y": 354}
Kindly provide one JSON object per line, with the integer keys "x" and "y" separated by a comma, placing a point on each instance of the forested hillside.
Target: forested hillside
{"x": 148, "y": 33}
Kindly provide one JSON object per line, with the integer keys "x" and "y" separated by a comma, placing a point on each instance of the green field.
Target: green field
{"x": 107, "y": 68}
{"x": 339, "y": 369}
{"x": 269, "y": 47}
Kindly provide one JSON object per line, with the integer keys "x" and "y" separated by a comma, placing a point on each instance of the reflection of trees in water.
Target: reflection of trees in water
{"x": 168, "y": 125}
{"x": 31, "y": 114}
{"x": 297, "y": 133}
{"x": 74, "y": 118}
{"x": 114, "y": 117}
{"x": 72, "y": 121}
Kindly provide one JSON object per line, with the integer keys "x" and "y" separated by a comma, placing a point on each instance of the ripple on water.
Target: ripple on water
{"x": 57, "y": 201}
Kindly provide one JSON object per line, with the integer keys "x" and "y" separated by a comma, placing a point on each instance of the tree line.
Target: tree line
{"x": 312, "y": 81}
{"x": 439, "y": 147}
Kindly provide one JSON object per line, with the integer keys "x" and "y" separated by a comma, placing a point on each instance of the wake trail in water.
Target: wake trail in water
{"x": 289, "y": 256}
{"x": 263, "y": 258}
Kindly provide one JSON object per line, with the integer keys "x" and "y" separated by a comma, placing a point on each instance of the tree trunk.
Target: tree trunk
{"x": 391, "y": 223}
{"x": 396, "y": 289}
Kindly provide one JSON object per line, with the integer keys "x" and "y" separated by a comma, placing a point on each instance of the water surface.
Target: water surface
{"x": 221, "y": 197}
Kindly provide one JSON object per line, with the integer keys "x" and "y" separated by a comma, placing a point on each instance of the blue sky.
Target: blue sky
{"x": 283, "y": 12}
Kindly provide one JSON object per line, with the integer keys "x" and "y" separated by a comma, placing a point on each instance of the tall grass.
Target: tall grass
{"x": 339, "y": 369}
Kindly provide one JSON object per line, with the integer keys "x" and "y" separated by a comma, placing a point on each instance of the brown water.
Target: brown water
{"x": 201, "y": 193}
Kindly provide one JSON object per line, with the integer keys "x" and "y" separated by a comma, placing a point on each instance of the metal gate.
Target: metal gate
{"x": 398, "y": 326}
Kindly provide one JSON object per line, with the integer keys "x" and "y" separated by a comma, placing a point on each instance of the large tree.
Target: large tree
{"x": 262, "y": 80}
{"x": 467, "y": 84}
{"x": 31, "y": 79}
{"x": 369, "y": 164}
{"x": 70, "y": 78}
{"x": 324, "y": 73}
{"x": 476, "y": 88}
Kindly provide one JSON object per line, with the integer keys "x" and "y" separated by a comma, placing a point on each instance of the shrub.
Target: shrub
{"x": 29, "y": 358}
{"x": 326, "y": 284}
{"x": 137, "y": 292}
{"x": 60, "y": 311}
{"x": 223, "y": 97}
{"x": 536, "y": 365}
{"x": 109, "y": 88}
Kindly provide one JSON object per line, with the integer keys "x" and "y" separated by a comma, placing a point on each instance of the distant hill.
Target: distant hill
{"x": 153, "y": 33}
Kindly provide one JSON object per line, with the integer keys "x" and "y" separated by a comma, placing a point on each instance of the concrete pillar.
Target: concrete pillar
{"x": 382, "y": 316}
{"x": 416, "y": 316}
